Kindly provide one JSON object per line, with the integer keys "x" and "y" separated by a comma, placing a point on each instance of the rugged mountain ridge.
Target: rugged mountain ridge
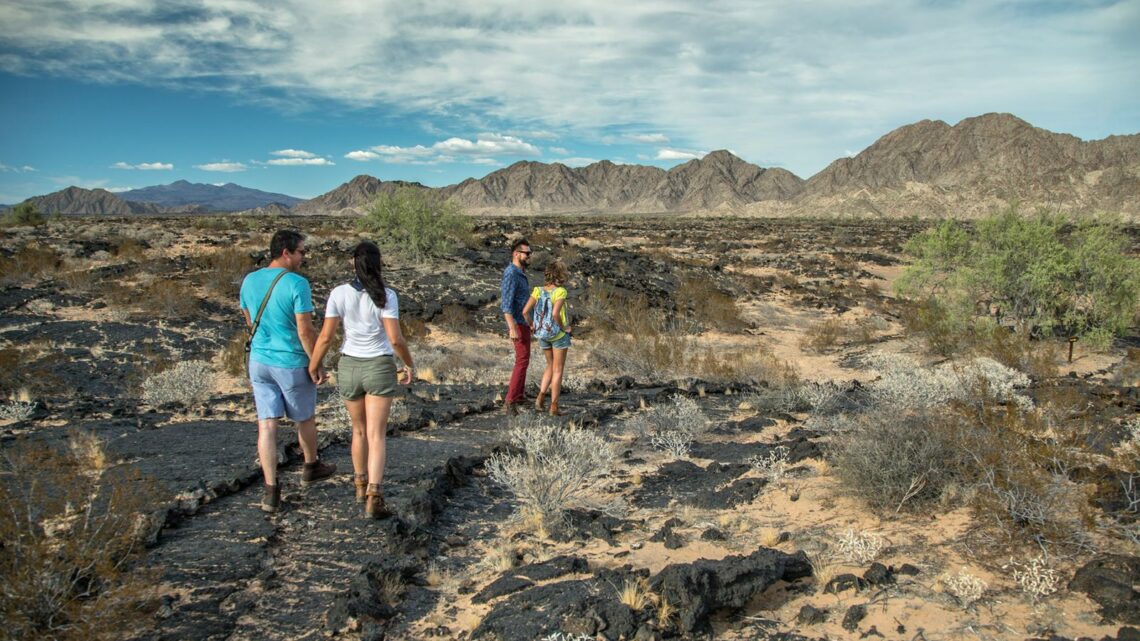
{"x": 354, "y": 195}
{"x": 928, "y": 168}
{"x": 227, "y": 197}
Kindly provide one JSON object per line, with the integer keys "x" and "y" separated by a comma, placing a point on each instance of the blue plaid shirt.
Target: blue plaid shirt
{"x": 515, "y": 290}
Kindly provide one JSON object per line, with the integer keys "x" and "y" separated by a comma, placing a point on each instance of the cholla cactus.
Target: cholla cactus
{"x": 1035, "y": 578}
{"x": 861, "y": 548}
{"x": 965, "y": 587}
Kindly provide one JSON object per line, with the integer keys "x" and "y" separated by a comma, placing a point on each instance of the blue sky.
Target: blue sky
{"x": 299, "y": 97}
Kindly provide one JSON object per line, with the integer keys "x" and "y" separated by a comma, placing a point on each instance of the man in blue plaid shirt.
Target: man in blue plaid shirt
{"x": 515, "y": 292}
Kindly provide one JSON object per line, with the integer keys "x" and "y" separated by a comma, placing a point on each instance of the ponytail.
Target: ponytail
{"x": 366, "y": 260}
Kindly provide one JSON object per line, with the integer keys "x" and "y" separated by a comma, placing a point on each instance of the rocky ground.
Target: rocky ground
{"x": 708, "y": 546}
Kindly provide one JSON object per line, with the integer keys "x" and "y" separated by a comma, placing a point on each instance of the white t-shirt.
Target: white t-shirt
{"x": 364, "y": 335}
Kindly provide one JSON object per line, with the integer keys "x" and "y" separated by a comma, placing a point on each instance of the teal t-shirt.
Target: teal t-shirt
{"x": 276, "y": 342}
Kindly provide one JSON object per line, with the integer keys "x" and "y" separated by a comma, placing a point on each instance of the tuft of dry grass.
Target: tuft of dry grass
{"x": 635, "y": 593}
{"x": 823, "y": 337}
{"x": 29, "y": 263}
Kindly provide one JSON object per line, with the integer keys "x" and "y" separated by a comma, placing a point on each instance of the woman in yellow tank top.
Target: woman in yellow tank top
{"x": 556, "y": 340}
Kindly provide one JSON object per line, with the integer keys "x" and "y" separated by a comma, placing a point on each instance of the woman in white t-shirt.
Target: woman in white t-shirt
{"x": 366, "y": 374}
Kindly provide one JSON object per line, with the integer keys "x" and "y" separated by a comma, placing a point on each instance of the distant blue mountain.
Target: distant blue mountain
{"x": 227, "y": 197}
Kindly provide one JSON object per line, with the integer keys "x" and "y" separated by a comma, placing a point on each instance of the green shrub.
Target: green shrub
{"x": 415, "y": 223}
{"x": 1045, "y": 273}
{"x": 22, "y": 214}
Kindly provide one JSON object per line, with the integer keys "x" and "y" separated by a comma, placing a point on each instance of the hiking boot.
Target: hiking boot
{"x": 271, "y": 499}
{"x": 361, "y": 483}
{"x": 554, "y": 411}
{"x": 316, "y": 471}
{"x": 374, "y": 507}
{"x": 512, "y": 409}
{"x": 540, "y": 404}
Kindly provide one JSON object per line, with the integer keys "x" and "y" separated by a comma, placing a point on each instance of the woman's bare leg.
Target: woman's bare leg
{"x": 377, "y": 409}
{"x": 356, "y": 412}
{"x": 546, "y": 375}
{"x": 558, "y": 364}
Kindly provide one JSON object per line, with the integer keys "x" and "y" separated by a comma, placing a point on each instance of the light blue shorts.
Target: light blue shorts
{"x": 283, "y": 391}
{"x": 558, "y": 343}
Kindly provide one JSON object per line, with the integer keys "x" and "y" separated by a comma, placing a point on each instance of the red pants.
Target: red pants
{"x": 515, "y": 393}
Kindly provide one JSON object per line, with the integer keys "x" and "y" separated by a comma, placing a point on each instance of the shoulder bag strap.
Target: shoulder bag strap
{"x": 261, "y": 310}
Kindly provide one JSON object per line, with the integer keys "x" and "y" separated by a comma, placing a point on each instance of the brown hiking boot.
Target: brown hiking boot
{"x": 554, "y": 411}
{"x": 361, "y": 483}
{"x": 512, "y": 409}
{"x": 271, "y": 499}
{"x": 316, "y": 471}
{"x": 374, "y": 507}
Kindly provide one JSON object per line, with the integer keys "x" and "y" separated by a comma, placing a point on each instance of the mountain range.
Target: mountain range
{"x": 928, "y": 168}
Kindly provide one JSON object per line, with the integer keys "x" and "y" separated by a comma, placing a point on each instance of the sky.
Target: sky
{"x": 297, "y": 97}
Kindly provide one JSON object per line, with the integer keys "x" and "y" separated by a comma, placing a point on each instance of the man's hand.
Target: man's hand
{"x": 318, "y": 374}
{"x": 513, "y": 332}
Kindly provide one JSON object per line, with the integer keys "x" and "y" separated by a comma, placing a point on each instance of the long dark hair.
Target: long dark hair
{"x": 369, "y": 271}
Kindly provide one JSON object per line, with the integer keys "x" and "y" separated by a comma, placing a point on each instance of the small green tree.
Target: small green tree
{"x": 23, "y": 214}
{"x": 1044, "y": 272}
{"x": 416, "y": 223}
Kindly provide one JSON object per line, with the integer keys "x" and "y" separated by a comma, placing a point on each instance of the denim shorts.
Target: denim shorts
{"x": 562, "y": 342}
{"x": 283, "y": 391}
{"x": 374, "y": 376}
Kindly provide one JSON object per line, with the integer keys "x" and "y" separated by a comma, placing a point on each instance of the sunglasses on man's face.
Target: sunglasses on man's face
{"x": 526, "y": 252}
{"x": 301, "y": 252}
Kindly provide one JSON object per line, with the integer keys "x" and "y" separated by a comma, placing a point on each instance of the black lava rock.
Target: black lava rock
{"x": 1108, "y": 580}
{"x": 854, "y": 615}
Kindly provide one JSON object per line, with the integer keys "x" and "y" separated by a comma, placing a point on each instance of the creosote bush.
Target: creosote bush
{"x": 24, "y": 214}
{"x": 556, "y": 468}
{"x": 415, "y": 223}
{"x": 186, "y": 383}
{"x": 72, "y": 525}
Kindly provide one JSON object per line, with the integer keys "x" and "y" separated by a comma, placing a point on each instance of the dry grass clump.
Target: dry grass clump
{"x": 700, "y": 305}
{"x": 27, "y": 264}
{"x": 665, "y": 357}
{"x": 823, "y": 337}
{"x": 556, "y": 468}
{"x": 234, "y": 359}
{"x": 72, "y": 527}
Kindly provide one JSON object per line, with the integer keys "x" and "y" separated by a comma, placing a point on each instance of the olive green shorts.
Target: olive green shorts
{"x": 375, "y": 376}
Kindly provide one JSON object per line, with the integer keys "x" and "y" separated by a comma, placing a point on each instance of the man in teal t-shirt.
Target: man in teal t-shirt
{"x": 279, "y": 359}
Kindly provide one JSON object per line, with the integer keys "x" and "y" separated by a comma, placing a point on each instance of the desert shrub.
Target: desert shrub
{"x": 556, "y": 468}
{"x": 28, "y": 263}
{"x": 186, "y": 383}
{"x": 904, "y": 384}
{"x": 454, "y": 317}
{"x": 72, "y": 527}
{"x": 671, "y": 427}
{"x": 127, "y": 247}
{"x": 416, "y": 223}
{"x": 234, "y": 359}
{"x": 774, "y": 465}
{"x": 17, "y": 410}
{"x": 1043, "y": 272}
{"x": 701, "y": 305}
{"x": 658, "y": 357}
{"x": 892, "y": 462}
{"x": 823, "y": 337}
{"x": 24, "y": 214}
{"x": 168, "y": 299}
{"x": 223, "y": 270}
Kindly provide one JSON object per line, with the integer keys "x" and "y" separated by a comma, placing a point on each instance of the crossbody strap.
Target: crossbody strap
{"x": 261, "y": 310}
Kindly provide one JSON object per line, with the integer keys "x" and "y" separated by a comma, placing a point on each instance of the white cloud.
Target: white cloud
{"x": 225, "y": 166}
{"x": 561, "y": 151}
{"x": 362, "y": 156}
{"x": 145, "y": 166}
{"x": 293, "y": 153}
{"x": 298, "y": 162}
{"x": 486, "y": 144}
{"x": 649, "y": 139}
{"x": 119, "y": 190}
{"x": 678, "y": 154}
{"x": 577, "y": 162}
{"x": 18, "y": 170}
{"x": 795, "y": 82}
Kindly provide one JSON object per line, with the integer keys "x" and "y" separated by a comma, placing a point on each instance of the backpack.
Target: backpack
{"x": 545, "y": 327}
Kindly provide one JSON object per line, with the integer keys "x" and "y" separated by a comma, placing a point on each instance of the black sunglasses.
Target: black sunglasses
{"x": 526, "y": 251}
